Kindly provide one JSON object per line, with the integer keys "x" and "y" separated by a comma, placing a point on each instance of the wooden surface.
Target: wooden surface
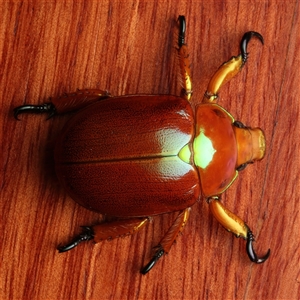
{"x": 128, "y": 47}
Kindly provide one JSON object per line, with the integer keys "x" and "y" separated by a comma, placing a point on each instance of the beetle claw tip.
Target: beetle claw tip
{"x": 251, "y": 253}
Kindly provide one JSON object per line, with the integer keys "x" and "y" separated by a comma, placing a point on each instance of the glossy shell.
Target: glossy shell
{"x": 119, "y": 156}
{"x": 216, "y": 152}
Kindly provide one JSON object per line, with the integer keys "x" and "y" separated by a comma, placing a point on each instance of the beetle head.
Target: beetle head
{"x": 250, "y": 143}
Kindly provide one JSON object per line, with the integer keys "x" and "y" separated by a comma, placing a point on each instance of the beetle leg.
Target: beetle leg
{"x": 86, "y": 235}
{"x": 237, "y": 226}
{"x": 120, "y": 228}
{"x": 106, "y": 231}
{"x": 168, "y": 240}
{"x": 187, "y": 91}
{"x": 43, "y": 108}
{"x": 65, "y": 103}
{"x": 229, "y": 69}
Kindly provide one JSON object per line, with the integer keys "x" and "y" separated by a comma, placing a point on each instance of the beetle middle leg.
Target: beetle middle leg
{"x": 167, "y": 241}
{"x": 237, "y": 226}
{"x": 184, "y": 61}
{"x": 229, "y": 69}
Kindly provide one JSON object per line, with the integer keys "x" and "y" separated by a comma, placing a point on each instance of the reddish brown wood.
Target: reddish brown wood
{"x": 128, "y": 47}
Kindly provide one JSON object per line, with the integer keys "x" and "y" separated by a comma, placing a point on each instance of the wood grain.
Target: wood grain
{"x": 129, "y": 47}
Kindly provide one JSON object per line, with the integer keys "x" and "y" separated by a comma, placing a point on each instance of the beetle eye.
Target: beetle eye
{"x": 241, "y": 167}
{"x": 239, "y": 124}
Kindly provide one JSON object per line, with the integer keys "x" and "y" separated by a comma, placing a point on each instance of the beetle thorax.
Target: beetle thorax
{"x": 214, "y": 149}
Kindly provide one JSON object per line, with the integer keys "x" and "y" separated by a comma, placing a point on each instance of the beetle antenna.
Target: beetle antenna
{"x": 250, "y": 251}
{"x": 159, "y": 253}
{"x": 86, "y": 235}
{"x": 245, "y": 40}
{"x": 43, "y": 108}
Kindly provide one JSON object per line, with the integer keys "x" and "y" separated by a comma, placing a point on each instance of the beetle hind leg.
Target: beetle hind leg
{"x": 167, "y": 241}
{"x": 65, "y": 103}
{"x": 230, "y": 68}
{"x": 106, "y": 231}
{"x": 237, "y": 226}
{"x": 86, "y": 235}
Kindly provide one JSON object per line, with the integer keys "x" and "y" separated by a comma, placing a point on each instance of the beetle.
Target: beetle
{"x": 135, "y": 156}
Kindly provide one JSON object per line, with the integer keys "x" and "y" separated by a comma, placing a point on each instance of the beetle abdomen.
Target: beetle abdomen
{"x": 125, "y": 150}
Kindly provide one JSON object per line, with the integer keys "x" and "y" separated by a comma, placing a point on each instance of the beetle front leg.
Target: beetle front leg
{"x": 229, "y": 69}
{"x": 106, "y": 231}
{"x": 65, "y": 103}
{"x": 184, "y": 61}
{"x": 167, "y": 241}
{"x": 237, "y": 226}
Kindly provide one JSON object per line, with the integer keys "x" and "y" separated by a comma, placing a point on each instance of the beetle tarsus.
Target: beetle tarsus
{"x": 245, "y": 40}
{"x": 250, "y": 251}
{"x": 86, "y": 235}
{"x": 159, "y": 253}
{"x": 43, "y": 108}
{"x": 182, "y": 30}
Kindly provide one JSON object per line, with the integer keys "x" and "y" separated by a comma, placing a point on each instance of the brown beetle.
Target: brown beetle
{"x": 158, "y": 158}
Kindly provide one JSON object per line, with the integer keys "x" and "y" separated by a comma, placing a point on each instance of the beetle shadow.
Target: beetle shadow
{"x": 47, "y": 161}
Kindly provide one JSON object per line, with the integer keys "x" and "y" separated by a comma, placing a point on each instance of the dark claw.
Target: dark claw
{"x": 250, "y": 251}
{"x": 86, "y": 235}
{"x": 43, "y": 108}
{"x": 182, "y": 29}
{"x": 245, "y": 40}
{"x": 159, "y": 253}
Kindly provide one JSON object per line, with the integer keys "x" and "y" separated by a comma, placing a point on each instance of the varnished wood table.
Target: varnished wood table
{"x": 129, "y": 47}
